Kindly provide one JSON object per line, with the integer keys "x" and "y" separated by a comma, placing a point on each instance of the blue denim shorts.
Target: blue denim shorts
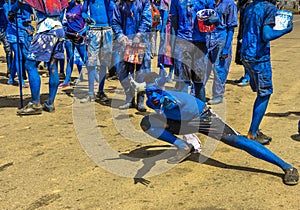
{"x": 99, "y": 47}
{"x": 260, "y": 77}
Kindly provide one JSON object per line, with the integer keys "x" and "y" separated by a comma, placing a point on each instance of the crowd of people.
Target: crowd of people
{"x": 120, "y": 37}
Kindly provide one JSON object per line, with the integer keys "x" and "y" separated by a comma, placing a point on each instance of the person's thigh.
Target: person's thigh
{"x": 183, "y": 59}
{"x": 260, "y": 77}
{"x": 106, "y": 48}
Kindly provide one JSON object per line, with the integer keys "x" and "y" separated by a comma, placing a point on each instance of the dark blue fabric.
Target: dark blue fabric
{"x": 186, "y": 11}
{"x": 132, "y": 19}
{"x": 3, "y": 18}
{"x": 100, "y": 11}
{"x": 257, "y": 14}
{"x": 186, "y": 109}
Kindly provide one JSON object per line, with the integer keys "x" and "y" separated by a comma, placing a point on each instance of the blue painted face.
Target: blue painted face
{"x": 154, "y": 95}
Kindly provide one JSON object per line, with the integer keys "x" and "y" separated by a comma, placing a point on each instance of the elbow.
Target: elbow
{"x": 266, "y": 37}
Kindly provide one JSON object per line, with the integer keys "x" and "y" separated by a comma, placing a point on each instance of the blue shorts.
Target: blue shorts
{"x": 47, "y": 45}
{"x": 260, "y": 77}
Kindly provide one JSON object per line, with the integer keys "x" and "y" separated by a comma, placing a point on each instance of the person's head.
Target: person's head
{"x": 153, "y": 88}
{"x": 153, "y": 85}
{"x": 154, "y": 95}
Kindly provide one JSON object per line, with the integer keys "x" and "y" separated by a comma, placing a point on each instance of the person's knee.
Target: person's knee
{"x": 145, "y": 123}
{"x": 232, "y": 140}
{"x": 30, "y": 64}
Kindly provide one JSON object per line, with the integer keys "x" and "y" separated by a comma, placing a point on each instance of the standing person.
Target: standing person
{"x": 166, "y": 42}
{"x": 19, "y": 42}
{"x": 48, "y": 46}
{"x": 189, "y": 44}
{"x": 244, "y": 80}
{"x": 79, "y": 63}
{"x": 132, "y": 22}
{"x": 180, "y": 113}
{"x": 99, "y": 40}
{"x": 3, "y": 39}
{"x": 219, "y": 44}
{"x": 75, "y": 38}
{"x": 259, "y": 20}
{"x": 156, "y": 23}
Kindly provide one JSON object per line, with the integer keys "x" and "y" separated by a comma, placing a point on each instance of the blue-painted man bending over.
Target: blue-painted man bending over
{"x": 259, "y": 20}
{"x": 178, "y": 113}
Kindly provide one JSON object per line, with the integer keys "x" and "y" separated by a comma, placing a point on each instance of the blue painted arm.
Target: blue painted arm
{"x": 146, "y": 19}
{"x": 116, "y": 23}
{"x": 270, "y": 34}
{"x": 85, "y": 6}
{"x": 228, "y": 42}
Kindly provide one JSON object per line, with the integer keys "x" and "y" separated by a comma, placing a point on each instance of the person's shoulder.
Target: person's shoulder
{"x": 178, "y": 95}
{"x": 231, "y": 3}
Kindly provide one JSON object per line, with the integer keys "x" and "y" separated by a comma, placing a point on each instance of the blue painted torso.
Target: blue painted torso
{"x": 188, "y": 107}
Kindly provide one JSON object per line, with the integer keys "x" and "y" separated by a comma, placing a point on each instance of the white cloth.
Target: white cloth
{"x": 193, "y": 140}
{"x": 48, "y": 24}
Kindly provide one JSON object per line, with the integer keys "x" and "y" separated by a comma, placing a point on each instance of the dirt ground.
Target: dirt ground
{"x": 75, "y": 158}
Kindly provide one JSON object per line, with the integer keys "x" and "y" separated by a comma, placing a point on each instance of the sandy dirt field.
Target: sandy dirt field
{"x": 86, "y": 156}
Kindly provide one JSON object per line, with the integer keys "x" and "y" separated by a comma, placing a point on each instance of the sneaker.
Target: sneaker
{"x": 25, "y": 85}
{"x": 291, "y": 176}
{"x": 62, "y": 75}
{"x": 45, "y": 74}
{"x": 127, "y": 106}
{"x": 63, "y": 85}
{"x": 243, "y": 83}
{"x": 102, "y": 96}
{"x": 76, "y": 82}
{"x": 48, "y": 108}
{"x": 260, "y": 138}
{"x": 41, "y": 67}
{"x": 87, "y": 99}
{"x": 169, "y": 80}
{"x": 193, "y": 140}
{"x": 30, "y": 109}
{"x": 14, "y": 83}
{"x": 216, "y": 100}
{"x": 114, "y": 77}
{"x": 238, "y": 80}
{"x": 181, "y": 155}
